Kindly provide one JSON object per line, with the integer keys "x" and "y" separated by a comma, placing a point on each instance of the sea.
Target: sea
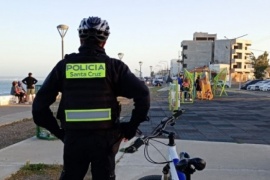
{"x": 6, "y": 83}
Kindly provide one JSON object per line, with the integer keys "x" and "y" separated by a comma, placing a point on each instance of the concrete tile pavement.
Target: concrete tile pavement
{"x": 212, "y": 135}
{"x": 225, "y": 161}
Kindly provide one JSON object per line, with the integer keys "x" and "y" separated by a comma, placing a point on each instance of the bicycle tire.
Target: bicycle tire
{"x": 151, "y": 177}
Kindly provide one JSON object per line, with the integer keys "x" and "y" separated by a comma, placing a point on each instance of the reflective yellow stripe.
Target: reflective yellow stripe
{"x": 85, "y": 70}
{"x": 88, "y": 115}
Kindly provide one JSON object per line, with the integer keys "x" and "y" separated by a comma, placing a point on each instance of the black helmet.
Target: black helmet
{"x": 94, "y": 27}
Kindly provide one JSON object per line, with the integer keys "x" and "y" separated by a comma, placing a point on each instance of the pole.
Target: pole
{"x": 230, "y": 64}
{"x": 62, "y": 48}
{"x": 140, "y": 63}
{"x": 140, "y": 71}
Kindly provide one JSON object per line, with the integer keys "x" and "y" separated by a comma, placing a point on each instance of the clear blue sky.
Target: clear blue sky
{"x": 144, "y": 30}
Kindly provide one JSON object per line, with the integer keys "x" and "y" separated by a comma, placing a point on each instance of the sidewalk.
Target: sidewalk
{"x": 12, "y": 113}
{"x": 226, "y": 158}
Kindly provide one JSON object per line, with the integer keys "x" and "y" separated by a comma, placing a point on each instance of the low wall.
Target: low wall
{"x": 7, "y": 99}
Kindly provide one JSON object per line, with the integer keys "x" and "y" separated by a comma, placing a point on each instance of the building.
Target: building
{"x": 176, "y": 67}
{"x": 236, "y": 53}
{"x": 206, "y": 49}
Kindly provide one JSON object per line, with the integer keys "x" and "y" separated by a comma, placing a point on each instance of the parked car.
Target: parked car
{"x": 266, "y": 87}
{"x": 160, "y": 80}
{"x": 261, "y": 87}
{"x": 249, "y": 82}
{"x": 156, "y": 82}
{"x": 255, "y": 87}
{"x": 148, "y": 81}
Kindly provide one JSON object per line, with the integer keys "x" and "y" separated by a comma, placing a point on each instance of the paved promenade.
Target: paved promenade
{"x": 15, "y": 112}
{"x": 240, "y": 117}
{"x": 232, "y": 133}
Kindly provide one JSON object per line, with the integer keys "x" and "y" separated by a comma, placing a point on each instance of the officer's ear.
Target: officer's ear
{"x": 102, "y": 44}
{"x": 81, "y": 41}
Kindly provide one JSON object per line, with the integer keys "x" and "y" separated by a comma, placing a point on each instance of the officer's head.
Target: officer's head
{"x": 94, "y": 30}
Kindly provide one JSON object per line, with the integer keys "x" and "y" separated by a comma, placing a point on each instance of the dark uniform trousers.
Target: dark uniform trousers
{"x": 85, "y": 147}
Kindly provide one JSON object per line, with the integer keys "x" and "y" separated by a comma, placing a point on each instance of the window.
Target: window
{"x": 185, "y": 47}
{"x": 238, "y": 56}
{"x": 240, "y": 46}
{"x": 239, "y": 65}
{"x": 201, "y": 39}
{"x": 184, "y": 56}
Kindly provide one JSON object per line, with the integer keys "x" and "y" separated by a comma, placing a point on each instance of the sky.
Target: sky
{"x": 150, "y": 31}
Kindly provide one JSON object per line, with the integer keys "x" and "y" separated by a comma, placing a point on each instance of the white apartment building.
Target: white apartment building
{"x": 235, "y": 52}
{"x": 206, "y": 49}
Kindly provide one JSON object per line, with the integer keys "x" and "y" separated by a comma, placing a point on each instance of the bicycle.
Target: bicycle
{"x": 177, "y": 167}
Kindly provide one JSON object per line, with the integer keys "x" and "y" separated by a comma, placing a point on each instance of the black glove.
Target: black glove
{"x": 128, "y": 129}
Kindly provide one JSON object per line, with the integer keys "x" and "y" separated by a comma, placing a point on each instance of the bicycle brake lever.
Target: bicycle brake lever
{"x": 139, "y": 132}
{"x": 135, "y": 146}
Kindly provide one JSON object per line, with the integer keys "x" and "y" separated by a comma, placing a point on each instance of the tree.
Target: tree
{"x": 260, "y": 64}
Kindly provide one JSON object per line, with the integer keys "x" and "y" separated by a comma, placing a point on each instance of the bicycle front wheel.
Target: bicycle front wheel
{"x": 151, "y": 177}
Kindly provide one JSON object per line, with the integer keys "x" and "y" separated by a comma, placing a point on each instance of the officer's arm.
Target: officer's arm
{"x": 134, "y": 88}
{"x": 42, "y": 114}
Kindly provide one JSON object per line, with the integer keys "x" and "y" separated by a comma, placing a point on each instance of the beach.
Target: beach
{"x": 6, "y": 83}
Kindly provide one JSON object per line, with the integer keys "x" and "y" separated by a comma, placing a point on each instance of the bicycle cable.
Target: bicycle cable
{"x": 146, "y": 152}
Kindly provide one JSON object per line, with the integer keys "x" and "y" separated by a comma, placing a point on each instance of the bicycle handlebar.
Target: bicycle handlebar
{"x": 157, "y": 131}
{"x": 186, "y": 164}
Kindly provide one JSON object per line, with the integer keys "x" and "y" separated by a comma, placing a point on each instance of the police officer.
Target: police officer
{"x": 90, "y": 82}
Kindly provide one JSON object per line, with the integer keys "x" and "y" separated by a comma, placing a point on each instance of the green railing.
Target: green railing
{"x": 174, "y": 96}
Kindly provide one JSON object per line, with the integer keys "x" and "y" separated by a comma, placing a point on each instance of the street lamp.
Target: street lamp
{"x": 140, "y": 69}
{"x": 62, "y": 29}
{"x": 230, "y": 63}
{"x": 120, "y": 55}
{"x": 151, "y": 67}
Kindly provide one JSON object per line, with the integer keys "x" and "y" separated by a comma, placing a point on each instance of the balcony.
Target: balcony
{"x": 248, "y": 61}
{"x": 248, "y": 70}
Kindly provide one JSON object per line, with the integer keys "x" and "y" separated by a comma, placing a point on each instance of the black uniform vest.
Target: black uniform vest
{"x": 88, "y": 98}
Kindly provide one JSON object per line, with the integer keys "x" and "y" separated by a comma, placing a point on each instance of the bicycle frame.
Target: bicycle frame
{"x": 178, "y": 167}
{"x": 172, "y": 153}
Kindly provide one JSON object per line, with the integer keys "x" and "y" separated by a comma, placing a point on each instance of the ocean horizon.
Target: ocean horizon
{"x": 6, "y": 83}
